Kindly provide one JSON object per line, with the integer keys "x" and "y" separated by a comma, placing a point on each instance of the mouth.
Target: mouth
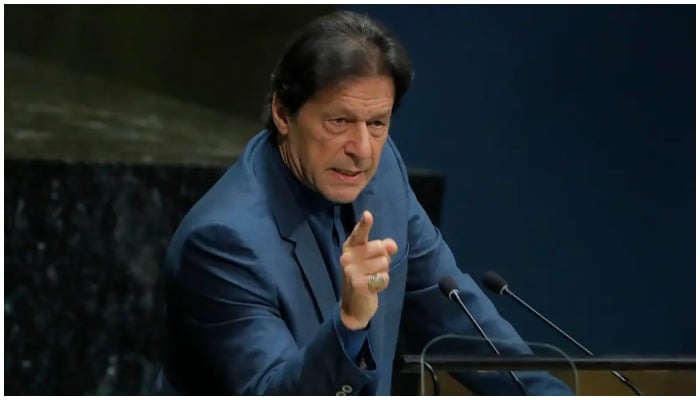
{"x": 347, "y": 176}
{"x": 345, "y": 172}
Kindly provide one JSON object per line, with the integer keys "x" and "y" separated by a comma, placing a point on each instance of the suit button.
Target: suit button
{"x": 346, "y": 388}
{"x": 340, "y": 393}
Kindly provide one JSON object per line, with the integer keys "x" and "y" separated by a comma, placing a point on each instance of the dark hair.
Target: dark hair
{"x": 334, "y": 47}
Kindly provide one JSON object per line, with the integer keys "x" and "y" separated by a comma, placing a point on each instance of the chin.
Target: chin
{"x": 341, "y": 199}
{"x": 341, "y": 196}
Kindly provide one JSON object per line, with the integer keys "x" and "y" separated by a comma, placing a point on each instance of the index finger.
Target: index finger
{"x": 360, "y": 234}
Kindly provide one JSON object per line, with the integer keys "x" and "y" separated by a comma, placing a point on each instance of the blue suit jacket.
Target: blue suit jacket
{"x": 250, "y": 303}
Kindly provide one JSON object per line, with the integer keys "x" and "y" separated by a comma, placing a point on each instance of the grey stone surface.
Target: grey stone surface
{"x": 52, "y": 113}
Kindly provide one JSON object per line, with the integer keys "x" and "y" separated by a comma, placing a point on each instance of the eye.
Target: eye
{"x": 336, "y": 126}
{"x": 377, "y": 124}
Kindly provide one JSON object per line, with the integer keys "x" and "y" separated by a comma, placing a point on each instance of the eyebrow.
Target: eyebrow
{"x": 384, "y": 115}
{"x": 381, "y": 115}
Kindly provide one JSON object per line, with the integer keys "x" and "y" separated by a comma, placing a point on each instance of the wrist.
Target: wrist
{"x": 350, "y": 322}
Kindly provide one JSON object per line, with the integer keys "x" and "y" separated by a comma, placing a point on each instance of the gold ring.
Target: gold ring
{"x": 375, "y": 282}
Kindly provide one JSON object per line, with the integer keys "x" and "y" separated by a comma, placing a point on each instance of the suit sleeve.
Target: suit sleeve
{"x": 428, "y": 314}
{"x": 230, "y": 325}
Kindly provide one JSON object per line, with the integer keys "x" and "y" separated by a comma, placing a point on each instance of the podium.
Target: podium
{"x": 449, "y": 356}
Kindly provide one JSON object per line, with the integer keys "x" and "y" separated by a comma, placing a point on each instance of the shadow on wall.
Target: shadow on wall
{"x": 218, "y": 56}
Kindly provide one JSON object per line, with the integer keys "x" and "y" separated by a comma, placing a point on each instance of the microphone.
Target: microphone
{"x": 494, "y": 282}
{"x": 450, "y": 289}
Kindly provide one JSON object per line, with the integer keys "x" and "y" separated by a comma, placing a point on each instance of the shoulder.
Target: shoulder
{"x": 235, "y": 208}
{"x": 225, "y": 242}
{"x": 391, "y": 178}
{"x": 391, "y": 165}
{"x": 234, "y": 213}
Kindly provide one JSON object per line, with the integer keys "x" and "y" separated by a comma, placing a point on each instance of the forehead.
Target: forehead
{"x": 363, "y": 94}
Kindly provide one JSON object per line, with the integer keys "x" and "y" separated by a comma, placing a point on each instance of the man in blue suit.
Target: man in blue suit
{"x": 294, "y": 273}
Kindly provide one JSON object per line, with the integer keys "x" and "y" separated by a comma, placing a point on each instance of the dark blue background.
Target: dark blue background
{"x": 567, "y": 137}
{"x": 566, "y": 134}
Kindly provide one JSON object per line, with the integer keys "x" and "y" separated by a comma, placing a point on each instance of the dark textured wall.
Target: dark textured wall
{"x": 83, "y": 246}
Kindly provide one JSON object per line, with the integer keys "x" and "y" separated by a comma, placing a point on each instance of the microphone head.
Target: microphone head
{"x": 494, "y": 282}
{"x": 447, "y": 285}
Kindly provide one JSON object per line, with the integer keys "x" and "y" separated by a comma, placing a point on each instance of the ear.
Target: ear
{"x": 280, "y": 116}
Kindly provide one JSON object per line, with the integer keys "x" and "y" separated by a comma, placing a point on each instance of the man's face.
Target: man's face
{"x": 334, "y": 143}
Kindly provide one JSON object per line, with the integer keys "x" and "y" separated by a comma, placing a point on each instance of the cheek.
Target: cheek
{"x": 319, "y": 154}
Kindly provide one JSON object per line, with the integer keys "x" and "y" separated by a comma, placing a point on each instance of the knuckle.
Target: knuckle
{"x": 377, "y": 246}
{"x": 345, "y": 259}
{"x": 384, "y": 263}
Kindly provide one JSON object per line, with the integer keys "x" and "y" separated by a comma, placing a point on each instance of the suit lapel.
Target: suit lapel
{"x": 291, "y": 218}
{"x": 311, "y": 262}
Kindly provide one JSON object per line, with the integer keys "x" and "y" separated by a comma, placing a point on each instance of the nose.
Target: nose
{"x": 359, "y": 145}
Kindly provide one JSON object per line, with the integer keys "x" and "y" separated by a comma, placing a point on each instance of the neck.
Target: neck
{"x": 288, "y": 159}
